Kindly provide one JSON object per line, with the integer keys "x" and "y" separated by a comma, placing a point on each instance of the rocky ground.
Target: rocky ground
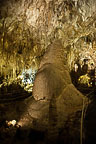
{"x": 70, "y": 133}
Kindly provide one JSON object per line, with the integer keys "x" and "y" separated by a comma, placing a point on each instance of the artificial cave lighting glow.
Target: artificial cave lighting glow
{"x": 11, "y": 123}
{"x": 28, "y": 76}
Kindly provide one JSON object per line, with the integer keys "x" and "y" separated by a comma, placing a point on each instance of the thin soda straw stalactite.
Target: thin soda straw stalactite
{"x": 95, "y": 76}
{"x": 81, "y": 123}
{"x": 86, "y": 102}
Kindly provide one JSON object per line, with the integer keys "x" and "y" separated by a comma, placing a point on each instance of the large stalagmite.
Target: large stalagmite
{"x": 53, "y": 86}
{"x": 53, "y": 76}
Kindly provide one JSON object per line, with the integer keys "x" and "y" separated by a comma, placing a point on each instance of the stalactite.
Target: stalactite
{"x": 1, "y": 70}
{"x": 90, "y": 45}
{"x": 14, "y": 72}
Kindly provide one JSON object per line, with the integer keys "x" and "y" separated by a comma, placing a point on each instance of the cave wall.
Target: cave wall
{"x": 28, "y": 27}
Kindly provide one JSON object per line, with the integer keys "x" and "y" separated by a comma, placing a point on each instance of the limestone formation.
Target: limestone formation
{"x": 51, "y": 37}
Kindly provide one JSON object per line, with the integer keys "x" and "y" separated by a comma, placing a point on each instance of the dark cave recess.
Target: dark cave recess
{"x": 84, "y": 78}
{"x": 13, "y": 92}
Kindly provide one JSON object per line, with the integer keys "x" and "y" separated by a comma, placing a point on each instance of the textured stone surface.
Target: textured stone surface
{"x": 28, "y": 27}
{"x": 53, "y": 75}
{"x": 56, "y": 99}
{"x": 26, "y": 30}
{"x": 53, "y": 84}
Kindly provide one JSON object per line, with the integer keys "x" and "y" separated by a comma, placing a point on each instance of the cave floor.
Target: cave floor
{"x": 18, "y": 135}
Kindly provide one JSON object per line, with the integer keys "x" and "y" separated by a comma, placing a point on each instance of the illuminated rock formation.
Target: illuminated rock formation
{"x": 53, "y": 37}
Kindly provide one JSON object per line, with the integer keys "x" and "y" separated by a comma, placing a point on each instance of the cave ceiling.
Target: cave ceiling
{"x": 27, "y": 27}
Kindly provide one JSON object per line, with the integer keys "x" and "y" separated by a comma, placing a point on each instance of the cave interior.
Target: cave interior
{"x": 47, "y": 71}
